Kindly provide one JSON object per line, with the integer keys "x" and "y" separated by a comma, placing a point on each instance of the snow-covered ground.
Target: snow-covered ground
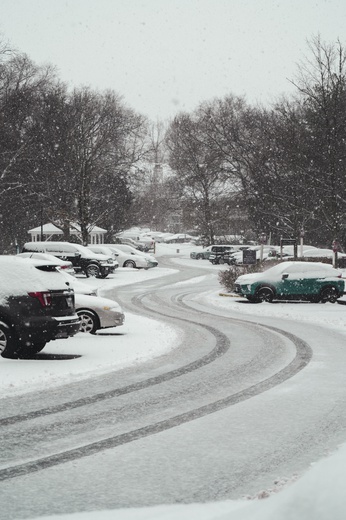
{"x": 137, "y": 340}
{"x": 319, "y": 494}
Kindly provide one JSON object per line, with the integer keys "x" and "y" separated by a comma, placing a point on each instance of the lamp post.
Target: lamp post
{"x": 40, "y": 198}
{"x": 41, "y": 223}
{"x": 302, "y": 234}
{"x": 263, "y": 239}
{"x": 336, "y": 249}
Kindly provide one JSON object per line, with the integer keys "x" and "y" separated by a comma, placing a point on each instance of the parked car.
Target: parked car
{"x": 310, "y": 281}
{"x": 204, "y": 254}
{"x": 36, "y": 306}
{"x": 143, "y": 242}
{"x": 227, "y": 256}
{"x": 94, "y": 312}
{"x": 268, "y": 252}
{"x": 179, "y": 238}
{"x": 129, "y": 242}
{"x": 222, "y": 257}
{"x": 132, "y": 251}
{"x": 83, "y": 259}
{"x": 134, "y": 261}
{"x": 65, "y": 265}
{"x": 144, "y": 245}
{"x": 321, "y": 253}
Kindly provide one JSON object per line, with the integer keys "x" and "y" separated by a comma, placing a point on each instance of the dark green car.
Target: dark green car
{"x": 309, "y": 281}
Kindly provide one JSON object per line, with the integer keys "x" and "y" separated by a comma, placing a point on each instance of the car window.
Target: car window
{"x": 277, "y": 270}
{"x": 61, "y": 249}
{"x": 295, "y": 274}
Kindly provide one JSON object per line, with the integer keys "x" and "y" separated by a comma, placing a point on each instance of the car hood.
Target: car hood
{"x": 95, "y": 302}
{"x": 248, "y": 278}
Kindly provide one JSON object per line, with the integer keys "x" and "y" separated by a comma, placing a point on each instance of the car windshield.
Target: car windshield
{"x": 277, "y": 269}
{"x": 102, "y": 250}
{"x": 128, "y": 249}
{"x": 85, "y": 251}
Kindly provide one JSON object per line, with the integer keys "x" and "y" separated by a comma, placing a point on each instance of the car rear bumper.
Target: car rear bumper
{"x": 67, "y": 326}
{"x": 48, "y": 328}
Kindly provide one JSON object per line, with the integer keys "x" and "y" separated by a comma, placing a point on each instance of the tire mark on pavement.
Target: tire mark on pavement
{"x": 222, "y": 346}
{"x": 302, "y": 358}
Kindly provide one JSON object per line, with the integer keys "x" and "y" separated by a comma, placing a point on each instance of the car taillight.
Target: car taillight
{"x": 44, "y": 297}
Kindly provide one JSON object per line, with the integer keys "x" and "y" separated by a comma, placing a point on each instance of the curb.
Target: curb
{"x": 230, "y": 295}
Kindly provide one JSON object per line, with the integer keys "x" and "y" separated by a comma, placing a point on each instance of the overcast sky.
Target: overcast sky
{"x": 164, "y": 56}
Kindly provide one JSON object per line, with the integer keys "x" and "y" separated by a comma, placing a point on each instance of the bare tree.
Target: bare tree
{"x": 95, "y": 140}
{"x": 200, "y": 175}
{"x": 321, "y": 84}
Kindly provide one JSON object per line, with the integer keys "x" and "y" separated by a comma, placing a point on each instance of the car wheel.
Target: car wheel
{"x": 252, "y": 299}
{"x": 265, "y": 294}
{"x": 198, "y": 257}
{"x": 89, "y": 322}
{"x": 130, "y": 263}
{"x": 329, "y": 294}
{"x": 7, "y": 343}
{"x": 93, "y": 270}
{"x": 31, "y": 350}
{"x": 221, "y": 261}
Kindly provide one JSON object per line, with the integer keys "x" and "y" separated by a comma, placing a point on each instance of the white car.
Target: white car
{"x": 321, "y": 253}
{"x": 135, "y": 261}
{"x": 132, "y": 251}
{"x": 83, "y": 259}
{"x": 65, "y": 265}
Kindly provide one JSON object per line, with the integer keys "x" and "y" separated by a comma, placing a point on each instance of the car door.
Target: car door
{"x": 313, "y": 279}
{"x": 291, "y": 282}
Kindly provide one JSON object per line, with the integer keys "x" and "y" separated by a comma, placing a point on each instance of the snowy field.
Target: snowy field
{"x": 318, "y": 495}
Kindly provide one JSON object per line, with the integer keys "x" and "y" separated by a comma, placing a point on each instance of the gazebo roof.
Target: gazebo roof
{"x": 51, "y": 229}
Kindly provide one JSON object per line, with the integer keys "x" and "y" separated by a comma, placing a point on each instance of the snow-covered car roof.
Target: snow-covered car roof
{"x": 319, "y": 252}
{"x": 20, "y": 275}
{"x": 45, "y": 256}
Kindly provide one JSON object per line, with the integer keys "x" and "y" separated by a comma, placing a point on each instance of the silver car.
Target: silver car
{"x": 97, "y": 313}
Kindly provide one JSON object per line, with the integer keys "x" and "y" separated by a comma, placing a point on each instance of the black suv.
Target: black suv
{"x": 83, "y": 259}
{"x": 35, "y": 307}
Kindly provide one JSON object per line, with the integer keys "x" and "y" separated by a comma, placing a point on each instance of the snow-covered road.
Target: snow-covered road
{"x": 232, "y": 402}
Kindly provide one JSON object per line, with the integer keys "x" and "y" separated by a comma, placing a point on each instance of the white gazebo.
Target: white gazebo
{"x": 47, "y": 231}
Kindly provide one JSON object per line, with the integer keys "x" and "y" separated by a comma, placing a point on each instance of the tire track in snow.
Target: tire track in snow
{"x": 302, "y": 358}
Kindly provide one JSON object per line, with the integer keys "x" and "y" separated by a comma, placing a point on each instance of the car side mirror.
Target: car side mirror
{"x": 284, "y": 276}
